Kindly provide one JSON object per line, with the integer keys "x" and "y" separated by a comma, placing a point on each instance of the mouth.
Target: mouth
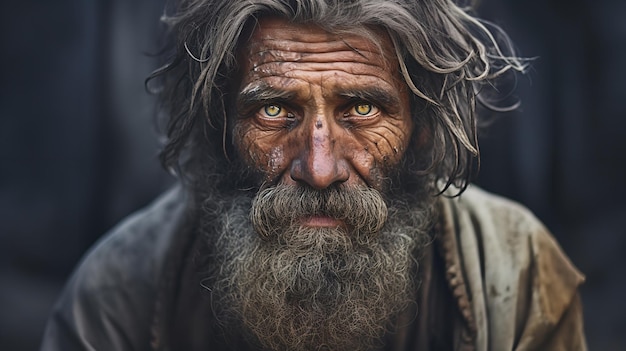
{"x": 321, "y": 222}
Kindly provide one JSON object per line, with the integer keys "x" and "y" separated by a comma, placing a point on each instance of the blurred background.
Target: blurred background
{"x": 78, "y": 142}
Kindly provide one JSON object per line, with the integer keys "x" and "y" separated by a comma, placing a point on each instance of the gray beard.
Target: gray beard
{"x": 291, "y": 287}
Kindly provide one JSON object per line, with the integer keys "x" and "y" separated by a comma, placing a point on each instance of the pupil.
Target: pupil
{"x": 363, "y": 109}
{"x": 272, "y": 110}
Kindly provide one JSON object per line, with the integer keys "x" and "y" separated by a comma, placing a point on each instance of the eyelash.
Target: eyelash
{"x": 280, "y": 106}
{"x": 352, "y": 110}
{"x": 373, "y": 109}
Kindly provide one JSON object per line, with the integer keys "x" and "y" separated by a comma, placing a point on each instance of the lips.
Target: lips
{"x": 322, "y": 221}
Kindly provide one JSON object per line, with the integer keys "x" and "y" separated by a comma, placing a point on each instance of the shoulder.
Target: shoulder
{"x": 519, "y": 282}
{"x": 109, "y": 300}
{"x": 134, "y": 251}
{"x": 487, "y": 209}
{"x": 506, "y": 231}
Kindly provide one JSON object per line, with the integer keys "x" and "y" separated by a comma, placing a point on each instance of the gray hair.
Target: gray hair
{"x": 446, "y": 57}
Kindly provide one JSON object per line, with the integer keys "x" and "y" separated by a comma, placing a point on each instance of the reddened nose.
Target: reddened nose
{"x": 321, "y": 162}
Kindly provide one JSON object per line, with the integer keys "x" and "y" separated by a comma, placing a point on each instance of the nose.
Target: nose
{"x": 321, "y": 162}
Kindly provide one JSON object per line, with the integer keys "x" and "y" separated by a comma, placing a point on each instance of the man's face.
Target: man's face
{"x": 320, "y": 109}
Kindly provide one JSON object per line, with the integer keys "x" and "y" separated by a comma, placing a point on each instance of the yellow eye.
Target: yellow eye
{"x": 364, "y": 109}
{"x": 272, "y": 110}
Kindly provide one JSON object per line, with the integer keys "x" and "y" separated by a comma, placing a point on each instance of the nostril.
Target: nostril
{"x": 320, "y": 175}
{"x": 296, "y": 170}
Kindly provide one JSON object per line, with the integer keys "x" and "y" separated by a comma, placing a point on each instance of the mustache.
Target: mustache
{"x": 362, "y": 209}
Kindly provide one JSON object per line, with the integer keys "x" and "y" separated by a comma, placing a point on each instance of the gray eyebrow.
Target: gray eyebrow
{"x": 376, "y": 95}
{"x": 256, "y": 93}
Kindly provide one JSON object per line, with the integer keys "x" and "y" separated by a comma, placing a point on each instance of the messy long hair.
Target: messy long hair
{"x": 446, "y": 57}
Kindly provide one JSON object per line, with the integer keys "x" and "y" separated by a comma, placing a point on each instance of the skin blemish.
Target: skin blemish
{"x": 318, "y": 124}
{"x": 276, "y": 159}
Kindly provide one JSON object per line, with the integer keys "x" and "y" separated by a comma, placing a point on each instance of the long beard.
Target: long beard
{"x": 294, "y": 287}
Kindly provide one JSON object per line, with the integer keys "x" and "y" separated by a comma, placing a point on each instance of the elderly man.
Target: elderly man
{"x": 323, "y": 150}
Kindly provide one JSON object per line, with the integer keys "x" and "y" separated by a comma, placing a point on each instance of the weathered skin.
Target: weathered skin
{"x": 319, "y": 108}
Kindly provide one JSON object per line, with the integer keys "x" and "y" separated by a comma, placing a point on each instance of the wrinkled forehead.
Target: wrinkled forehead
{"x": 276, "y": 39}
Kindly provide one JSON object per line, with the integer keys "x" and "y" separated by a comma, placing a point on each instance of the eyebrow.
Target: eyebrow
{"x": 254, "y": 94}
{"x": 379, "y": 96}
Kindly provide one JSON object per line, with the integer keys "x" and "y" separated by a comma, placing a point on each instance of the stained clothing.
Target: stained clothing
{"x": 493, "y": 279}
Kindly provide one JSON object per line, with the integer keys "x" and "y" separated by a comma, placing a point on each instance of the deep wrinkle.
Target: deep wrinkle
{"x": 313, "y": 83}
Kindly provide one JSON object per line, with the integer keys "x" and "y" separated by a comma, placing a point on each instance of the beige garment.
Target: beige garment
{"x": 514, "y": 286}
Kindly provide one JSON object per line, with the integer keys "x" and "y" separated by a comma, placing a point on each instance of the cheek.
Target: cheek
{"x": 367, "y": 167}
{"x": 387, "y": 144}
{"x": 276, "y": 160}
{"x": 258, "y": 150}
{"x": 247, "y": 149}
{"x": 382, "y": 150}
